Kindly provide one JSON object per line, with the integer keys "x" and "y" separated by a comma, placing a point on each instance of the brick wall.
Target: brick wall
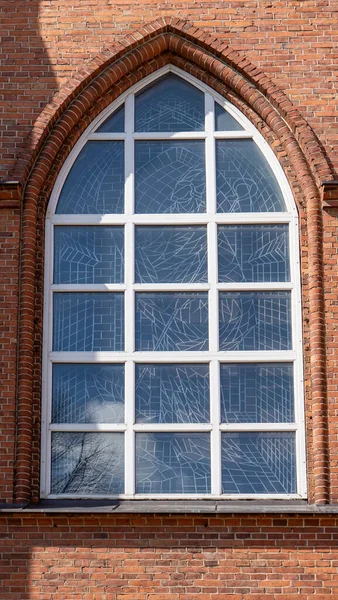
{"x": 45, "y": 45}
{"x": 106, "y": 557}
{"x": 45, "y": 42}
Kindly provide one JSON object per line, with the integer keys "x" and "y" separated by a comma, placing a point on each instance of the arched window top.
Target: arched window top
{"x": 172, "y": 341}
{"x": 146, "y": 123}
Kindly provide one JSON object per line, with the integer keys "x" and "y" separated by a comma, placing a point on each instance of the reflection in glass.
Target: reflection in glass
{"x": 171, "y": 254}
{"x": 88, "y": 394}
{"x": 224, "y": 121}
{"x": 172, "y": 393}
{"x": 253, "y": 253}
{"x": 258, "y": 463}
{"x": 169, "y": 104}
{"x": 87, "y": 463}
{"x": 245, "y": 181}
{"x": 88, "y": 254}
{"x": 169, "y": 176}
{"x": 95, "y": 184}
{"x": 172, "y": 321}
{"x": 255, "y": 321}
{"x": 88, "y": 322}
{"x": 114, "y": 123}
{"x": 172, "y": 463}
{"x": 257, "y": 393}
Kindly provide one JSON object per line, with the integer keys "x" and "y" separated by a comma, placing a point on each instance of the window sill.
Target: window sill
{"x": 171, "y": 507}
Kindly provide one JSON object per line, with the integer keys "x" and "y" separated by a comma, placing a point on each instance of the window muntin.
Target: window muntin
{"x": 241, "y": 316}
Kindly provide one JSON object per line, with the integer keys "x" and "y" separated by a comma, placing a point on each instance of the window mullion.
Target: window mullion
{"x": 129, "y": 304}
{"x": 215, "y": 410}
{"x": 129, "y": 452}
{"x": 215, "y": 441}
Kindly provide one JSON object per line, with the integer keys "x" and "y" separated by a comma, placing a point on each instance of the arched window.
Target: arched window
{"x": 172, "y": 318}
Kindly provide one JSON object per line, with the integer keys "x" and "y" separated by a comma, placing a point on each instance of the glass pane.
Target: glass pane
{"x": 88, "y": 394}
{"x": 169, "y": 104}
{"x": 88, "y": 322}
{"x": 114, "y": 124}
{"x": 257, "y": 393}
{"x": 224, "y": 121}
{"x": 172, "y": 393}
{"x": 258, "y": 463}
{"x": 95, "y": 184}
{"x": 172, "y": 463}
{"x": 170, "y": 176}
{"x": 171, "y": 254}
{"x": 88, "y": 254}
{"x": 255, "y": 321}
{"x": 245, "y": 180}
{"x": 87, "y": 463}
{"x": 253, "y": 253}
{"x": 172, "y": 321}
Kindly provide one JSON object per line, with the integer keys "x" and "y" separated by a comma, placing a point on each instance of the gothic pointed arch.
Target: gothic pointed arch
{"x": 88, "y": 93}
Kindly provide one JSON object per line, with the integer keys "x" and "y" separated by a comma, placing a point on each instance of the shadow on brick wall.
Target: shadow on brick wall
{"x": 27, "y": 79}
{"x": 173, "y": 557}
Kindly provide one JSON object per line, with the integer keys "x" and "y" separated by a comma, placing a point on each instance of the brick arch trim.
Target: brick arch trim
{"x": 85, "y": 95}
{"x": 192, "y": 43}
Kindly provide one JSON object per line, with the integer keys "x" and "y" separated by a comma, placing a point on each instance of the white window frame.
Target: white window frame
{"x": 213, "y": 356}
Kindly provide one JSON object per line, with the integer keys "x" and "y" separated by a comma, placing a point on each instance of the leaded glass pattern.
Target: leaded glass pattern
{"x": 87, "y": 463}
{"x": 172, "y": 463}
{"x": 88, "y": 322}
{"x": 245, "y": 181}
{"x": 88, "y": 254}
{"x": 173, "y": 355}
{"x": 258, "y": 463}
{"x": 255, "y": 321}
{"x": 257, "y": 393}
{"x": 172, "y": 394}
{"x": 88, "y": 394}
{"x": 171, "y": 104}
{"x": 224, "y": 121}
{"x": 169, "y": 176}
{"x": 114, "y": 123}
{"x": 171, "y": 254}
{"x": 95, "y": 184}
{"x": 172, "y": 321}
{"x": 253, "y": 253}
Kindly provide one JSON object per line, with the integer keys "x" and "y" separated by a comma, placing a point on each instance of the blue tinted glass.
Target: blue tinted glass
{"x": 172, "y": 393}
{"x": 88, "y": 322}
{"x": 114, "y": 124}
{"x": 255, "y": 321}
{"x": 170, "y": 176}
{"x": 87, "y": 463}
{"x": 253, "y": 253}
{"x": 245, "y": 180}
{"x": 224, "y": 121}
{"x": 172, "y": 321}
{"x": 257, "y": 393}
{"x": 171, "y": 254}
{"x": 88, "y": 394}
{"x": 172, "y": 463}
{"x": 170, "y": 104}
{"x": 258, "y": 463}
{"x": 95, "y": 184}
{"x": 88, "y": 254}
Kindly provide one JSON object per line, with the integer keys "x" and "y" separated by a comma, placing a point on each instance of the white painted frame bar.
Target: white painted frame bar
{"x": 211, "y": 219}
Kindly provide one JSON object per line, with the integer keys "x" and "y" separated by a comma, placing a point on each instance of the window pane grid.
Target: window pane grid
{"x": 133, "y": 291}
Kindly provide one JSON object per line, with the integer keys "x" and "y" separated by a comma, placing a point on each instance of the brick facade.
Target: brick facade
{"x": 63, "y": 63}
{"x": 87, "y": 557}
